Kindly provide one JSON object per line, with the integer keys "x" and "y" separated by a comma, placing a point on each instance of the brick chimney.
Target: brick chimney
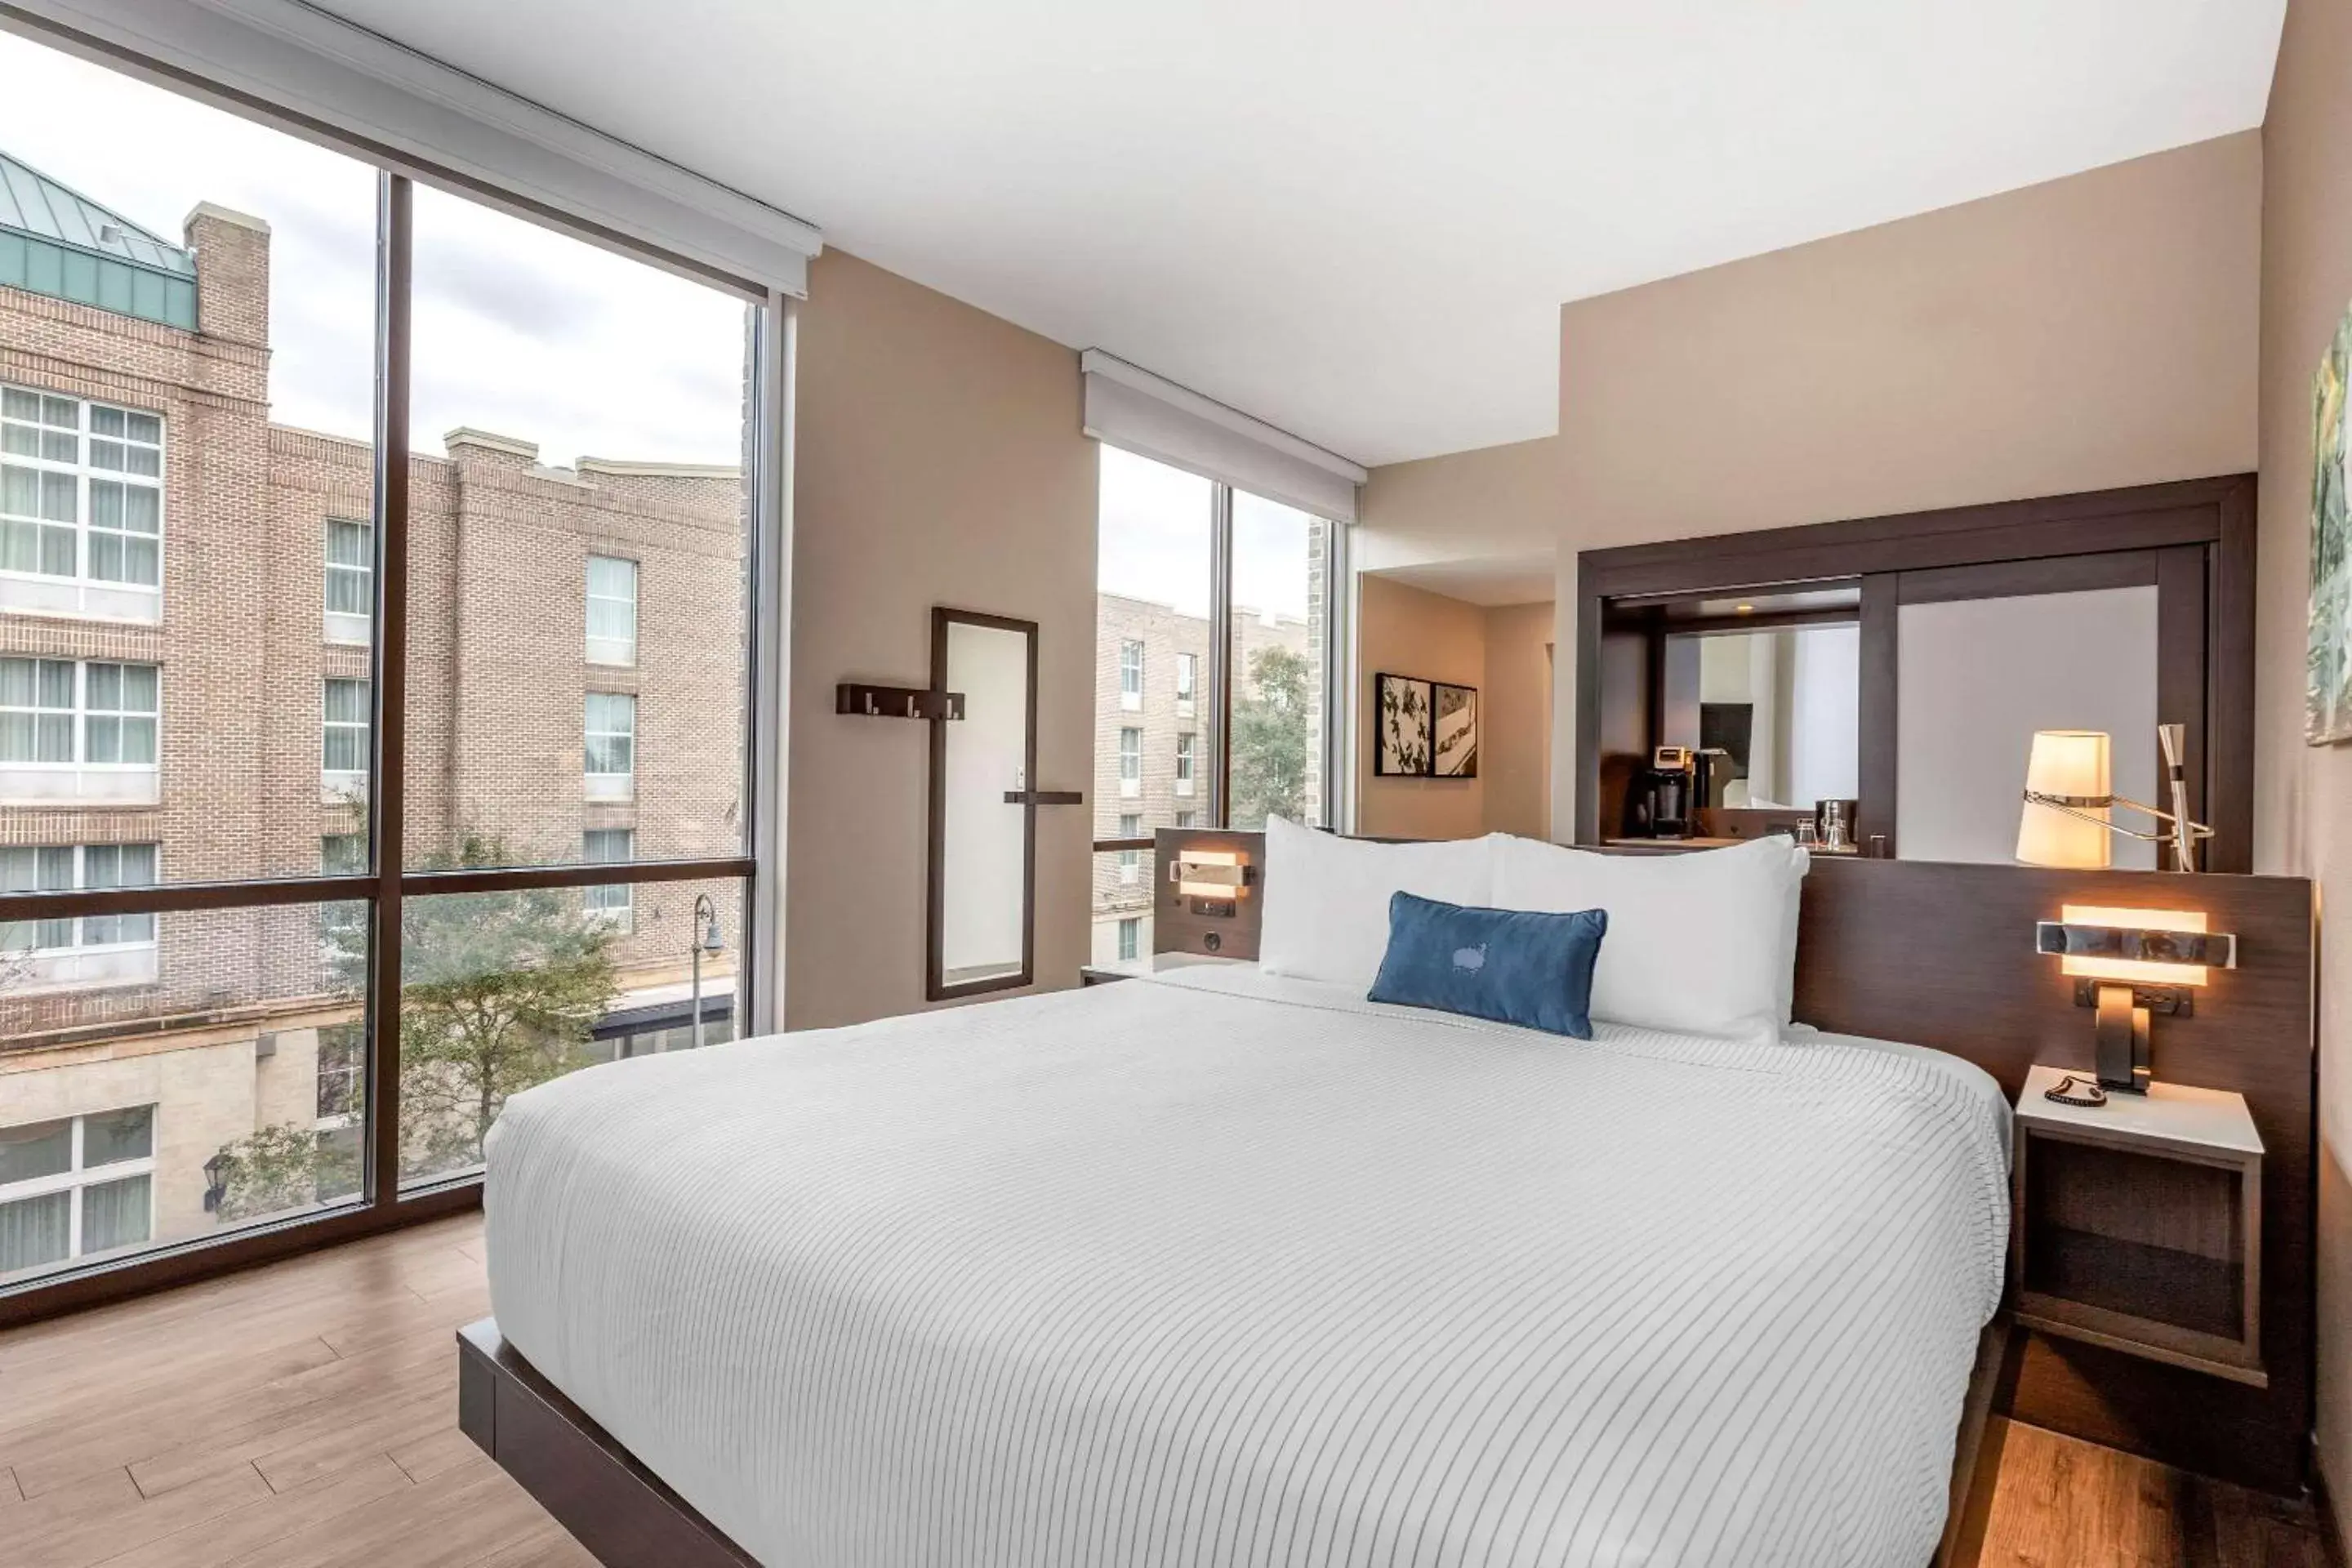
{"x": 232, "y": 274}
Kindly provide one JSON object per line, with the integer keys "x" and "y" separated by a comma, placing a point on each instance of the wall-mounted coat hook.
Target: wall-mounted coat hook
{"x": 896, "y": 701}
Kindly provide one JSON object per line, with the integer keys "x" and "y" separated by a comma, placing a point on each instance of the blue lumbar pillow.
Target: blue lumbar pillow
{"x": 1514, "y": 966}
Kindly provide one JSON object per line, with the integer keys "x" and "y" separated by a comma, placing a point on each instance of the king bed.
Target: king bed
{"x": 1234, "y": 1265}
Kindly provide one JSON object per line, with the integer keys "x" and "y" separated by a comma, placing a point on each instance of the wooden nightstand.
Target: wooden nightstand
{"x": 2139, "y": 1225}
{"x": 1149, "y": 963}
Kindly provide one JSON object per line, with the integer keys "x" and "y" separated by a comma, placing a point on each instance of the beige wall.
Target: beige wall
{"x": 2092, "y": 331}
{"x": 1402, "y": 630}
{"x": 2302, "y": 802}
{"x": 938, "y": 461}
{"x": 1515, "y": 720}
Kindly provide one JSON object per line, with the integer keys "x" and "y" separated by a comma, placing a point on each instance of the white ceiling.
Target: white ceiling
{"x": 1357, "y": 219}
{"x": 1489, "y": 580}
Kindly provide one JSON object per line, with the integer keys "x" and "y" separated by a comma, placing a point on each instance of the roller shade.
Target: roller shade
{"x": 300, "y": 61}
{"x": 1131, "y": 408}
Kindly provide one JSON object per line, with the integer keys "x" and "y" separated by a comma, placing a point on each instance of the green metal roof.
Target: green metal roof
{"x": 56, "y": 241}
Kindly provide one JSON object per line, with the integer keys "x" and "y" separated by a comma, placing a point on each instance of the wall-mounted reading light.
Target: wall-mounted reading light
{"x": 1214, "y": 879}
{"x": 2128, "y": 963}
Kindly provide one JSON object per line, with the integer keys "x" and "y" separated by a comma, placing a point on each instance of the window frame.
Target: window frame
{"x": 594, "y": 781}
{"x": 352, "y": 628}
{"x": 1214, "y": 731}
{"x": 86, "y": 474}
{"x": 78, "y": 1177}
{"x": 78, "y": 716}
{"x": 331, "y": 776}
{"x": 615, "y": 903}
{"x": 1131, "y": 674}
{"x": 590, "y": 598}
{"x": 81, "y": 941}
{"x": 383, "y": 1202}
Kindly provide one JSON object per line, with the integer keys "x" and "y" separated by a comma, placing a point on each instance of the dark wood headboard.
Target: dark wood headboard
{"x": 1944, "y": 955}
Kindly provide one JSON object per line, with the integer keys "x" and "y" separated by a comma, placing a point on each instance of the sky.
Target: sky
{"x": 1155, "y": 541}
{"x": 517, "y": 329}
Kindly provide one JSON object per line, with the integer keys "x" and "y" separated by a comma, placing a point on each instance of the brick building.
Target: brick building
{"x": 186, "y": 621}
{"x": 1151, "y": 738}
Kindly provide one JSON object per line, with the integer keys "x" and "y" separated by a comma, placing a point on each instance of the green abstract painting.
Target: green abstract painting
{"x": 2328, "y": 707}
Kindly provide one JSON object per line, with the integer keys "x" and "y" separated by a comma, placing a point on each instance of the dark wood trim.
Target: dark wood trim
{"x": 1103, "y": 846}
{"x": 585, "y": 874}
{"x": 1968, "y": 1500}
{"x": 1772, "y": 621}
{"x": 176, "y": 898}
{"x": 2183, "y": 616}
{"x": 1219, "y": 760}
{"x": 2230, "y": 684}
{"x": 388, "y": 687}
{"x": 2149, "y": 533}
{"x": 1875, "y": 782}
{"x": 207, "y": 1257}
{"x": 935, "y": 983}
{"x": 2014, "y": 579}
{"x": 2141, "y": 516}
{"x": 616, "y": 1508}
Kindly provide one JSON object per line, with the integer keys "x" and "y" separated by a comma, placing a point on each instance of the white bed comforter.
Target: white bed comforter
{"x": 1229, "y": 1269}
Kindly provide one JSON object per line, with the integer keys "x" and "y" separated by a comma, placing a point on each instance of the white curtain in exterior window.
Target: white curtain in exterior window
{"x": 116, "y": 865}
{"x": 76, "y": 1187}
{"x": 611, "y": 610}
{"x": 55, "y": 487}
{"x": 1130, "y": 669}
{"x": 36, "y": 1231}
{"x": 346, "y": 726}
{"x": 120, "y": 703}
{"x": 605, "y": 845}
{"x": 1130, "y": 756}
{"x": 1188, "y": 666}
{"x": 36, "y": 711}
{"x": 351, "y": 568}
{"x": 611, "y": 727}
{"x": 115, "y": 1214}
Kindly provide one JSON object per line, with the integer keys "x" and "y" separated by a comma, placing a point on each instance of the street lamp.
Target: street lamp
{"x": 706, "y": 940}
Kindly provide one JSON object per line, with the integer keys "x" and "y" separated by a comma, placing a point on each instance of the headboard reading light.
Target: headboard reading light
{"x": 2127, "y": 963}
{"x": 1214, "y": 879}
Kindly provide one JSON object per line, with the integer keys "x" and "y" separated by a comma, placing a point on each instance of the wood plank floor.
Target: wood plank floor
{"x": 305, "y": 1416}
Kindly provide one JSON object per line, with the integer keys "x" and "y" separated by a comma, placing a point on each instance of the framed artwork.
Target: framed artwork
{"x": 1456, "y": 748}
{"x": 1402, "y": 748}
{"x": 2328, "y": 688}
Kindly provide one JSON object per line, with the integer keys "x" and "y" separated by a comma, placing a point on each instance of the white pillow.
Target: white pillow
{"x": 1326, "y": 898}
{"x": 1703, "y": 942}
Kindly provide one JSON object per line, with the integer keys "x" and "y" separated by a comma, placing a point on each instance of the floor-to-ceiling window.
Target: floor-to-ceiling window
{"x": 1212, "y": 650}
{"x": 374, "y": 676}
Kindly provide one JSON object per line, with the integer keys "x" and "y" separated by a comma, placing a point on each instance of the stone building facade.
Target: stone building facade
{"x": 181, "y": 668}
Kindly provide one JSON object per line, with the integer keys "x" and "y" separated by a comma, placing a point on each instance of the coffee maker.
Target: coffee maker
{"x": 1665, "y": 795}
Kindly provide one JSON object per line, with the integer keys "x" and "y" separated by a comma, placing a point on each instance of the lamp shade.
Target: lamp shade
{"x": 2073, "y": 764}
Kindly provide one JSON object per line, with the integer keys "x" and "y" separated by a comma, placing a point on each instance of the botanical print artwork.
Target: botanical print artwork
{"x": 1457, "y": 732}
{"x": 2327, "y": 715}
{"x": 1405, "y": 707}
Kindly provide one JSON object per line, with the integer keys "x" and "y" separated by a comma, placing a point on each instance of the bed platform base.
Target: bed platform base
{"x": 594, "y": 1488}
{"x": 626, "y": 1517}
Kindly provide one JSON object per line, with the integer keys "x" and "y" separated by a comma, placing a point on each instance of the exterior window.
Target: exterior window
{"x": 95, "y": 950}
{"x": 82, "y": 507}
{"x": 1129, "y": 930}
{"x": 1184, "y": 760}
{"x": 1187, "y": 818}
{"x": 342, "y": 924}
{"x": 1131, "y": 761}
{"x": 76, "y": 1187}
{"x": 78, "y": 732}
{"x": 350, "y": 580}
{"x": 1130, "y": 826}
{"x": 344, "y": 756}
{"x": 342, "y": 1070}
{"x": 1188, "y": 677}
{"x": 611, "y": 610}
{"x": 1130, "y": 675}
{"x": 614, "y": 902}
{"x": 612, "y": 752}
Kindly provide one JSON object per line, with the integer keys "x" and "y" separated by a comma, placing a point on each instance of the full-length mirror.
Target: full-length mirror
{"x": 984, "y": 810}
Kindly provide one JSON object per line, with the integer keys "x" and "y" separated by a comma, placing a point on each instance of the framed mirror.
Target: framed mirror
{"x": 983, "y": 809}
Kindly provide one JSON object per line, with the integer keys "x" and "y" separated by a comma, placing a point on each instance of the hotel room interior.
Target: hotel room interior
{"x": 1499, "y": 786}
